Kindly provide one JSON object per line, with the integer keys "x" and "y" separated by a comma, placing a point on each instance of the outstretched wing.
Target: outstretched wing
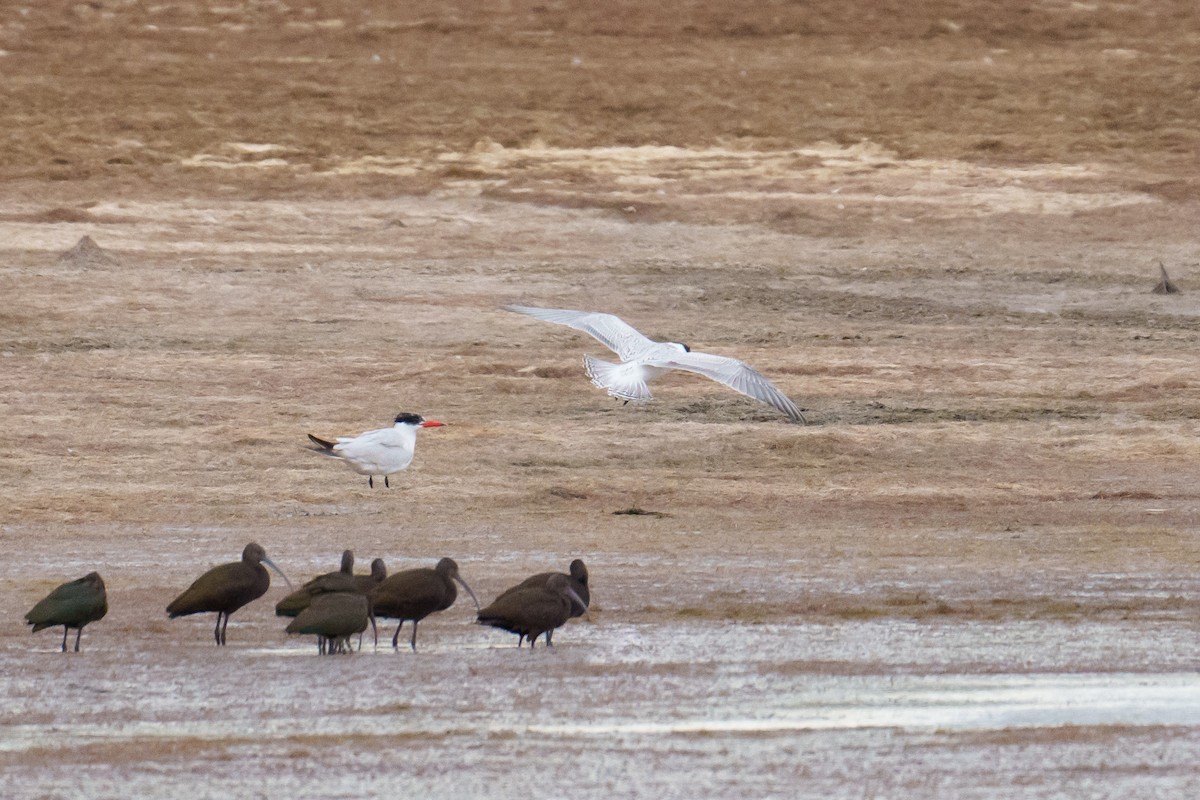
{"x": 737, "y": 375}
{"x": 611, "y": 331}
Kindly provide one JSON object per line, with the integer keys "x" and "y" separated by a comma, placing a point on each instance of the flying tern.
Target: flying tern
{"x": 380, "y": 452}
{"x": 643, "y": 359}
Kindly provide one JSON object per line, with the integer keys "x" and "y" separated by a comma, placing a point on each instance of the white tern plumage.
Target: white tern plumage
{"x": 384, "y": 452}
{"x": 643, "y": 359}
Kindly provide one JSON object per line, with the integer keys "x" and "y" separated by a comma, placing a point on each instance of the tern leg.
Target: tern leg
{"x": 371, "y": 481}
{"x": 414, "y": 637}
{"x": 217, "y": 630}
{"x": 78, "y": 633}
{"x": 224, "y": 628}
{"x": 386, "y": 485}
{"x": 64, "y": 647}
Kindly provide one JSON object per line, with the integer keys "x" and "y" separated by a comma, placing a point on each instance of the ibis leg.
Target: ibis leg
{"x": 396, "y": 637}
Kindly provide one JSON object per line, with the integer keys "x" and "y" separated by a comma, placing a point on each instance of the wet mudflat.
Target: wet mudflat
{"x": 777, "y": 707}
{"x": 791, "y": 710}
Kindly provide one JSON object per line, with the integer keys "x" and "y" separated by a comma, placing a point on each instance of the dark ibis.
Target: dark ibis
{"x": 334, "y": 617}
{"x": 226, "y": 588}
{"x": 340, "y": 581}
{"x": 533, "y": 610}
{"x": 366, "y": 583}
{"x": 414, "y": 594}
{"x": 577, "y": 579}
{"x": 72, "y": 605}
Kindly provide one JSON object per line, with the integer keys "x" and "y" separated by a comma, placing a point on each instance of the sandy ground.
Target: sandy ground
{"x": 973, "y": 574}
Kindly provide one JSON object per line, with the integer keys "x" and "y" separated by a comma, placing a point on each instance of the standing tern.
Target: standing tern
{"x": 380, "y": 452}
{"x": 643, "y": 359}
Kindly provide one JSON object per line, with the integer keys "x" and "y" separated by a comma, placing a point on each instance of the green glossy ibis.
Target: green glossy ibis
{"x": 226, "y": 588}
{"x": 533, "y": 610}
{"x": 71, "y": 605}
{"x": 414, "y": 594}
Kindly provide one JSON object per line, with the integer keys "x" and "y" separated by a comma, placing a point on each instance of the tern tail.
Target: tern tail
{"x": 321, "y": 442}
{"x": 619, "y": 380}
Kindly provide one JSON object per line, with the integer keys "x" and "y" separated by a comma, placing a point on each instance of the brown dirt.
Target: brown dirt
{"x": 937, "y": 228}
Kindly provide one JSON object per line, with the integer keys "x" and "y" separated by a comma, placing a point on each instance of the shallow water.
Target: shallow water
{"x": 878, "y": 708}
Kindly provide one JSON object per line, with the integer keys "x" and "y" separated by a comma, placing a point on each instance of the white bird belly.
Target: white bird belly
{"x": 378, "y": 462}
{"x": 648, "y": 373}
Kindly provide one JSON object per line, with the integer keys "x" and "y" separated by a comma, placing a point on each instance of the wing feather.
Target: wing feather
{"x": 737, "y": 375}
{"x": 608, "y": 329}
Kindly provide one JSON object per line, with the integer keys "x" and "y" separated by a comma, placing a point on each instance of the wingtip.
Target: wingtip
{"x": 794, "y": 414}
